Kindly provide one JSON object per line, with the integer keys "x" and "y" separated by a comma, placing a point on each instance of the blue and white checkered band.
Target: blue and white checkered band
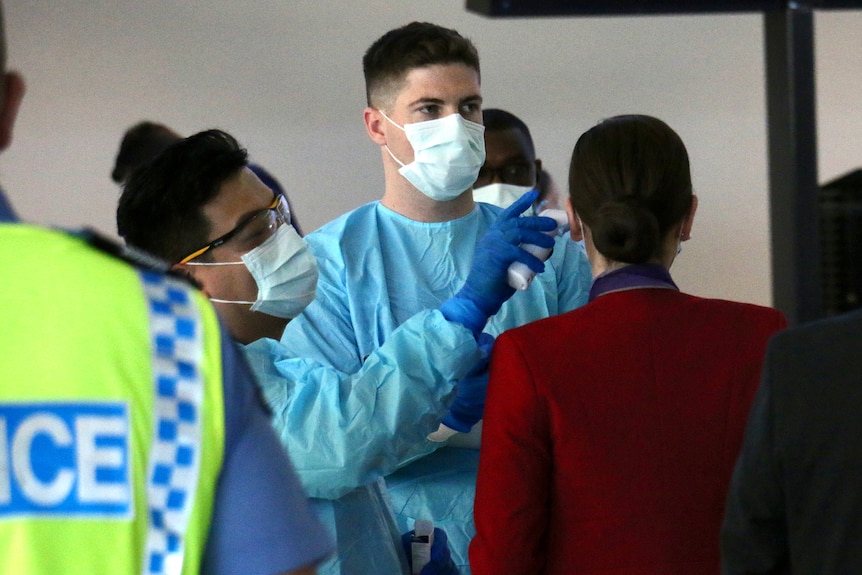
{"x": 172, "y": 477}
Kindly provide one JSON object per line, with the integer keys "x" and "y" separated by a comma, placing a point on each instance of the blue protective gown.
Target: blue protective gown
{"x": 368, "y": 370}
{"x": 325, "y": 417}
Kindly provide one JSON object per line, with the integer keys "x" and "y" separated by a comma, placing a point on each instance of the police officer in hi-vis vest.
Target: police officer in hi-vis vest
{"x": 132, "y": 437}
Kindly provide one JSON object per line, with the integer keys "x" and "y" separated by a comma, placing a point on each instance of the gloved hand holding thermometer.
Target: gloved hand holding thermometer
{"x": 521, "y": 276}
{"x": 487, "y": 284}
{"x": 483, "y": 294}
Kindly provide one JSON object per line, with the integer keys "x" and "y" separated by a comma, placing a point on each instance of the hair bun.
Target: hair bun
{"x": 625, "y": 230}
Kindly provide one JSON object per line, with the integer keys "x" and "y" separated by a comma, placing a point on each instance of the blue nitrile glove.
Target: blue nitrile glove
{"x": 441, "y": 558}
{"x": 487, "y": 285}
{"x": 468, "y": 407}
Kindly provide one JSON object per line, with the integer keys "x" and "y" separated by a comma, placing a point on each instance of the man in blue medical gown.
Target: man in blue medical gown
{"x": 379, "y": 325}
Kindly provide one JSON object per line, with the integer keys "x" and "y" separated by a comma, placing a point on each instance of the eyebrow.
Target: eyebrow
{"x": 425, "y": 101}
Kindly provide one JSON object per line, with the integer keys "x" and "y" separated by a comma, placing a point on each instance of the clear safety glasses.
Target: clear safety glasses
{"x": 251, "y": 231}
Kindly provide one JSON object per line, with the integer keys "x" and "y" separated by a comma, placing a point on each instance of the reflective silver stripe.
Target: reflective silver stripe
{"x": 172, "y": 474}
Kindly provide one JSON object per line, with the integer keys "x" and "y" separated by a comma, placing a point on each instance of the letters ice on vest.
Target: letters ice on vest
{"x": 65, "y": 459}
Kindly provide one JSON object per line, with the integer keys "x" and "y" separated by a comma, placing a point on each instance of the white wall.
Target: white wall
{"x": 284, "y": 76}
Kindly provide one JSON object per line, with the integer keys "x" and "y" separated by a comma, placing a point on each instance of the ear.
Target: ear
{"x": 373, "y": 125}
{"x": 576, "y": 232}
{"x": 13, "y": 92}
{"x": 685, "y": 233}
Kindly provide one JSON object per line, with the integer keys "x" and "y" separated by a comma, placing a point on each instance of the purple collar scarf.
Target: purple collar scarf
{"x": 632, "y": 276}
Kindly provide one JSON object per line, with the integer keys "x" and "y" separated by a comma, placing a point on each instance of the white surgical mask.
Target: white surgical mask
{"x": 447, "y": 155}
{"x": 285, "y": 273}
{"x": 503, "y": 195}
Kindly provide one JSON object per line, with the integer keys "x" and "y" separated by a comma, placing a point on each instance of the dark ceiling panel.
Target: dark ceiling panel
{"x": 636, "y": 7}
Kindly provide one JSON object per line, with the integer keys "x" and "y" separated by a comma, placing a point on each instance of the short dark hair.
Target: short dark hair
{"x": 160, "y": 207}
{"x": 140, "y": 144}
{"x": 497, "y": 120}
{"x": 630, "y": 182}
{"x": 415, "y": 45}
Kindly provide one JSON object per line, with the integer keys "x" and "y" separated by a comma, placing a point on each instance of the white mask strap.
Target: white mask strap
{"x": 399, "y": 162}
{"x": 212, "y": 299}
{"x": 390, "y": 120}
{"x": 231, "y": 301}
{"x": 214, "y": 264}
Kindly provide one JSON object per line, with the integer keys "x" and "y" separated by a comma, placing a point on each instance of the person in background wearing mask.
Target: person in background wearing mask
{"x": 511, "y": 168}
{"x": 199, "y": 207}
{"x": 407, "y": 287}
{"x": 139, "y": 444}
{"x": 145, "y": 140}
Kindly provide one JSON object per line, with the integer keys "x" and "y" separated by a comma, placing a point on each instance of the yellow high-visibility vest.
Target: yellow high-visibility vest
{"x": 111, "y": 411}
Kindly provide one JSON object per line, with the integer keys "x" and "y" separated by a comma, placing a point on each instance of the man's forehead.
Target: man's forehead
{"x": 440, "y": 80}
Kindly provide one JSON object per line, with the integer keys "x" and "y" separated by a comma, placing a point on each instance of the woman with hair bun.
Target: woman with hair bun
{"x": 615, "y": 456}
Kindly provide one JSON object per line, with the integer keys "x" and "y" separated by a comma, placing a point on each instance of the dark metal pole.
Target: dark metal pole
{"x": 789, "y": 39}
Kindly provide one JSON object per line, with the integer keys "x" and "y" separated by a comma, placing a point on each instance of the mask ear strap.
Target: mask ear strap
{"x": 231, "y": 301}
{"x": 382, "y": 113}
{"x": 400, "y": 163}
{"x": 214, "y": 263}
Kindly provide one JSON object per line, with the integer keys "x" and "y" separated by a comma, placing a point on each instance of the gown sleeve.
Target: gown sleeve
{"x": 345, "y": 426}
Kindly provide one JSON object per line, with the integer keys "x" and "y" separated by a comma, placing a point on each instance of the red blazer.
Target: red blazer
{"x": 611, "y": 432}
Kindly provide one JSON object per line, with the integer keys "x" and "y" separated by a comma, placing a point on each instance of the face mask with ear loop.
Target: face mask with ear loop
{"x": 447, "y": 155}
{"x": 285, "y": 273}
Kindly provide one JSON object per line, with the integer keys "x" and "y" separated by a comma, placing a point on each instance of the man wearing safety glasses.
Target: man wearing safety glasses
{"x": 201, "y": 208}
{"x": 283, "y": 271}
